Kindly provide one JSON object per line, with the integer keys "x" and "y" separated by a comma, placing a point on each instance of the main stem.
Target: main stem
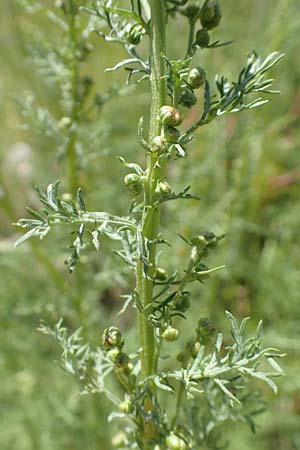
{"x": 151, "y": 213}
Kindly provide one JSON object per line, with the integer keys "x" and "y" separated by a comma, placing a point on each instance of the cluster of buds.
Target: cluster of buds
{"x": 112, "y": 343}
{"x": 210, "y": 16}
{"x": 170, "y": 118}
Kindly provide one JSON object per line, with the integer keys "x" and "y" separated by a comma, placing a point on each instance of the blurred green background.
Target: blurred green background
{"x": 246, "y": 169}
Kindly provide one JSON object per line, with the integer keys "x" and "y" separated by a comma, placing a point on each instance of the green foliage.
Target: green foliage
{"x": 231, "y": 176}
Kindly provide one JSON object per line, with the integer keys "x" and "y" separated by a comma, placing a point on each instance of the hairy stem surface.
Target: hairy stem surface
{"x": 151, "y": 214}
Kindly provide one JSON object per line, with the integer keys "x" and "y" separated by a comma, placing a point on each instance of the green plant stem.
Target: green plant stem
{"x": 151, "y": 213}
{"x": 155, "y": 172}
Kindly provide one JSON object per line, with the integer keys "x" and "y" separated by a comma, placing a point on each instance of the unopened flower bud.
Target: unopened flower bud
{"x": 196, "y": 77}
{"x": 65, "y": 122}
{"x": 134, "y": 183}
{"x": 164, "y": 188}
{"x": 171, "y": 134}
{"x": 205, "y": 330}
{"x": 195, "y": 349}
{"x": 187, "y": 97}
{"x": 112, "y": 354}
{"x": 121, "y": 360}
{"x": 119, "y": 440}
{"x": 183, "y": 303}
{"x": 128, "y": 369}
{"x": 174, "y": 442}
{"x": 199, "y": 241}
{"x": 160, "y": 274}
{"x": 201, "y": 272}
{"x": 112, "y": 338}
{"x": 170, "y": 116}
{"x": 170, "y": 334}
{"x": 191, "y": 11}
{"x": 126, "y": 407}
{"x": 210, "y": 15}
{"x": 158, "y": 144}
{"x": 134, "y": 33}
{"x": 202, "y": 38}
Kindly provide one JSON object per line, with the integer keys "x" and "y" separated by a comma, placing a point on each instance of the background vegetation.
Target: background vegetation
{"x": 246, "y": 170}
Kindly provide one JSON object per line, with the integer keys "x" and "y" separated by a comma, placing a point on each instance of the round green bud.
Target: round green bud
{"x": 113, "y": 354}
{"x": 119, "y": 440}
{"x": 200, "y": 268}
{"x": 202, "y": 38}
{"x": 195, "y": 349}
{"x": 170, "y": 334}
{"x": 158, "y": 144}
{"x": 212, "y": 240}
{"x": 210, "y": 14}
{"x": 111, "y": 338}
{"x": 196, "y": 77}
{"x": 199, "y": 241}
{"x": 183, "y": 302}
{"x": 134, "y": 33}
{"x": 191, "y": 11}
{"x": 121, "y": 360}
{"x": 126, "y": 407}
{"x": 160, "y": 274}
{"x": 171, "y": 134}
{"x": 65, "y": 122}
{"x": 134, "y": 183}
{"x": 170, "y": 116}
{"x": 205, "y": 330}
{"x": 174, "y": 442}
{"x": 164, "y": 188}
{"x": 128, "y": 369}
{"x": 187, "y": 97}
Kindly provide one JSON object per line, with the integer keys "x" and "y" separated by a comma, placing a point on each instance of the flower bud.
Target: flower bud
{"x": 134, "y": 183}
{"x": 201, "y": 270}
{"x": 134, "y": 33}
{"x": 171, "y": 134}
{"x": 160, "y": 274}
{"x": 65, "y": 122}
{"x": 170, "y": 116}
{"x": 164, "y": 188}
{"x": 128, "y": 369}
{"x": 183, "y": 303}
{"x": 121, "y": 360}
{"x": 112, "y": 354}
{"x": 195, "y": 348}
{"x": 211, "y": 238}
{"x": 210, "y": 14}
{"x": 191, "y": 11}
{"x": 119, "y": 440}
{"x": 199, "y": 241}
{"x": 202, "y": 38}
{"x": 196, "y": 77}
{"x": 170, "y": 334}
{"x": 205, "y": 330}
{"x": 126, "y": 407}
{"x": 174, "y": 442}
{"x": 158, "y": 144}
{"x": 111, "y": 338}
{"x": 187, "y": 97}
